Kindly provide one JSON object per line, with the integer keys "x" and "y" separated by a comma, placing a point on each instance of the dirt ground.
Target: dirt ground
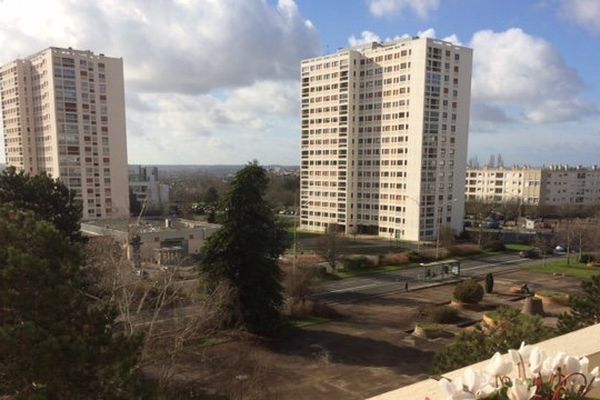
{"x": 367, "y": 351}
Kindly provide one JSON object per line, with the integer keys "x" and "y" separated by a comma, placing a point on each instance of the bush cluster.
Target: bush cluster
{"x": 395, "y": 259}
{"x": 464, "y": 250}
{"x": 494, "y": 245}
{"x": 468, "y": 291}
{"x": 358, "y": 263}
{"x": 586, "y": 258}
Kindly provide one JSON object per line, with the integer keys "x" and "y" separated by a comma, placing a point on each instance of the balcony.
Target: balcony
{"x": 583, "y": 342}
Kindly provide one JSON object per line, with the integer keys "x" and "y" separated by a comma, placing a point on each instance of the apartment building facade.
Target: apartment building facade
{"x": 63, "y": 113}
{"x": 146, "y": 188}
{"x": 384, "y": 138}
{"x": 553, "y": 186}
{"x": 504, "y": 184}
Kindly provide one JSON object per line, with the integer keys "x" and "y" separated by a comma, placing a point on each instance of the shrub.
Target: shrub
{"x": 586, "y": 258}
{"x": 395, "y": 259}
{"x": 494, "y": 245}
{"x": 442, "y": 315}
{"x": 469, "y": 292}
{"x": 480, "y": 344}
{"x": 464, "y": 249}
{"x": 357, "y": 263}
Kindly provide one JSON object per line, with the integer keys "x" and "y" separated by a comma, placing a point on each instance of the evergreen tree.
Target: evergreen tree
{"x": 211, "y": 196}
{"x": 48, "y": 199}
{"x": 55, "y": 341}
{"x": 245, "y": 250}
{"x": 585, "y": 308}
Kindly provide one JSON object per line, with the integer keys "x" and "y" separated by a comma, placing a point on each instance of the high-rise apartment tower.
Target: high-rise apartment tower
{"x": 384, "y": 139}
{"x": 63, "y": 113}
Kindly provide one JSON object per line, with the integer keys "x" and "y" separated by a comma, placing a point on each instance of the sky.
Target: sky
{"x": 217, "y": 81}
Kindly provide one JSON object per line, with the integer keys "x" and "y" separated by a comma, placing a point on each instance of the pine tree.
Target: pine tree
{"x": 55, "y": 341}
{"x": 245, "y": 250}
{"x": 585, "y": 307}
{"x": 211, "y": 196}
{"x": 48, "y": 199}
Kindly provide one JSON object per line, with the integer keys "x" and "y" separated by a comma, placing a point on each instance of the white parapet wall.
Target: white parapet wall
{"x": 584, "y": 342}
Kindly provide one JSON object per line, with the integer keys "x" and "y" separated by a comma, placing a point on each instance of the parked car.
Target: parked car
{"x": 559, "y": 250}
{"x": 532, "y": 253}
{"x": 492, "y": 224}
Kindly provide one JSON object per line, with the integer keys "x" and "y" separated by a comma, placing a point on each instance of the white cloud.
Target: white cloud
{"x": 515, "y": 69}
{"x": 427, "y": 33}
{"x": 365, "y": 37}
{"x": 220, "y": 128}
{"x": 584, "y": 12}
{"x": 422, "y": 8}
{"x": 169, "y": 46}
{"x": 206, "y": 80}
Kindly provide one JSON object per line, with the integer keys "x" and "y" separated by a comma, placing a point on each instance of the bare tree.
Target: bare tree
{"x": 299, "y": 284}
{"x": 331, "y": 246}
{"x": 169, "y": 312}
{"x": 447, "y": 237}
{"x": 499, "y": 161}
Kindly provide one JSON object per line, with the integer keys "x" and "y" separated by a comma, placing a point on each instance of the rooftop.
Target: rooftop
{"x": 150, "y": 224}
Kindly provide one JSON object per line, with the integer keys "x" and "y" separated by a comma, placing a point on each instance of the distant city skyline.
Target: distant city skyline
{"x": 224, "y": 87}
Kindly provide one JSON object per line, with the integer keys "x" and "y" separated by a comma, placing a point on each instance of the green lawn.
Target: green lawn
{"x": 368, "y": 271}
{"x": 576, "y": 269}
{"x": 518, "y": 247}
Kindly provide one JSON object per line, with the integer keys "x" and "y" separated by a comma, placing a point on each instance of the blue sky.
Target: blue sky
{"x": 216, "y": 81}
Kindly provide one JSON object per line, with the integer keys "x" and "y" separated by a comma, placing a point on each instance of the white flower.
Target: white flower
{"x": 498, "y": 367}
{"x": 454, "y": 390}
{"x": 478, "y": 383}
{"x": 571, "y": 365}
{"x": 551, "y": 364}
{"x": 525, "y": 351}
{"x": 590, "y": 377}
{"x": 536, "y": 360}
{"x": 595, "y": 376}
{"x": 520, "y": 390}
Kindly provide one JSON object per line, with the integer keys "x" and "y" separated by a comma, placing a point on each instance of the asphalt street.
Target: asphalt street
{"x": 351, "y": 290}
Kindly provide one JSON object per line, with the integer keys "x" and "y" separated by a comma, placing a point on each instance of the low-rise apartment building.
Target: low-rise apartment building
{"x": 504, "y": 184}
{"x": 553, "y": 186}
{"x": 161, "y": 241}
{"x": 144, "y": 185}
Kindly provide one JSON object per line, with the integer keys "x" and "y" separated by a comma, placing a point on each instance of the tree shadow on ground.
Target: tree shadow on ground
{"x": 340, "y": 348}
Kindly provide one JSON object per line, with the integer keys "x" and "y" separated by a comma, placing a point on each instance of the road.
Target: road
{"x": 351, "y": 290}
{"x": 355, "y": 289}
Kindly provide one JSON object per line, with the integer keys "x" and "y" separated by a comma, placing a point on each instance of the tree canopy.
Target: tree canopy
{"x": 244, "y": 252}
{"x": 585, "y": 307}
{"x": 49, "y": 199}
{"x": 55, "y": 341}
